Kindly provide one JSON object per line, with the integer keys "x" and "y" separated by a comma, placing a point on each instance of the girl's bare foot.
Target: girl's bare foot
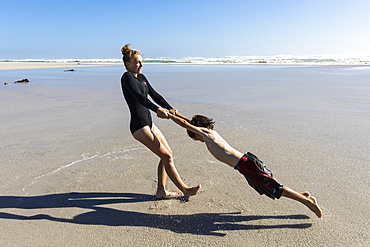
{"x": 165, "y": 195}
{"x": 191, "y": 191}
{"x": 314, "y": 207}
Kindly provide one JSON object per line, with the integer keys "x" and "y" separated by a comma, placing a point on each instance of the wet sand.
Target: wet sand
{"x": 44, "y": 65}
{"x": 72, "y": 175}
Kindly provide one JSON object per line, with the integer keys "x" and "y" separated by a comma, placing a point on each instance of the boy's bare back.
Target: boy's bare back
{"x": 218, "y": 147}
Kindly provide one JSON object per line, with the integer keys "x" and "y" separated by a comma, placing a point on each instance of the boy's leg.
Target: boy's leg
{"x": 258, "y": 176}
{"x": 304, "y": 198}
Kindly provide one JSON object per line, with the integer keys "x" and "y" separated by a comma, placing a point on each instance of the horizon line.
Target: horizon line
{"x": 200, "y": 57}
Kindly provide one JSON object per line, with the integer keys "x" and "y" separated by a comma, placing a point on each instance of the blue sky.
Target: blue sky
{"x": 51, "y": 29}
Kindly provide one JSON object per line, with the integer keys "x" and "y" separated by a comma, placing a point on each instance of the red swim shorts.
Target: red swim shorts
{"x": 258, "y": 176}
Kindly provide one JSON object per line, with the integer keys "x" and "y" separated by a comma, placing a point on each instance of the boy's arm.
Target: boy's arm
{"x": 177, "y": 114}
{"x": 183, "y": 123}
{"x": 181, "y": 116}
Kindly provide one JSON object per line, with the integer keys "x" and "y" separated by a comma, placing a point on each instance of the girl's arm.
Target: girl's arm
{"x": 157, "y": 97}
{"x": 128, "y": 83}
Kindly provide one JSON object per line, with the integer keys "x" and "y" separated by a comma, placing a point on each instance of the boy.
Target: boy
{"x": 200, "y": 128}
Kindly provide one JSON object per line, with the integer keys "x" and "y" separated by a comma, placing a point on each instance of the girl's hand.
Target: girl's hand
{"x": 162, "y": 113}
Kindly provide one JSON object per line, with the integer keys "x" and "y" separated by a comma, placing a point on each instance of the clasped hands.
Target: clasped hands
{"x": 163, "y": 113}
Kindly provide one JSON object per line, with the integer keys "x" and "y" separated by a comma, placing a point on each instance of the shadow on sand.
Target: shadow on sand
{"x": 199, "y": 224}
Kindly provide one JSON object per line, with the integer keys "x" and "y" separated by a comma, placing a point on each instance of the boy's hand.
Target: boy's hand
{"x": 173, "y": 111}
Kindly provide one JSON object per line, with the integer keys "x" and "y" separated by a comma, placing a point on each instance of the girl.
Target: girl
{"x": 135, "y": 89}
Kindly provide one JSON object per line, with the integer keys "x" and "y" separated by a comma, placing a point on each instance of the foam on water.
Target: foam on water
{"x": 114, "y": 154}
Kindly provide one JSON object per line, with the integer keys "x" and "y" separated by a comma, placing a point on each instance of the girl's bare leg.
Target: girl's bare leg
{"x": 304, "y": 198}
{"x": 162, "y": 175}
{"x": 161, "y": 188}
{"x": 159, "y": 146}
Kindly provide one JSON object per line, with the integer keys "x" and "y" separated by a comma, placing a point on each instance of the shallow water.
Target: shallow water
{"x": 315, "y": 100}
{"x": 339, "y": 88}
{"x": 311, "y": 87}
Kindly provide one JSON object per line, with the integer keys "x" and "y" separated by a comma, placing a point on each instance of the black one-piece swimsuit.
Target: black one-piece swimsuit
{"x": 135, "y": 91}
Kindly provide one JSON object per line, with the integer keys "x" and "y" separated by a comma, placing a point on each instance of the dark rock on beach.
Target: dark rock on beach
{"x": 22, "y": 81}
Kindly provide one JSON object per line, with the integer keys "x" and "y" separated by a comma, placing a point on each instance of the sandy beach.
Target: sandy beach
{"x": 72, "y": 174}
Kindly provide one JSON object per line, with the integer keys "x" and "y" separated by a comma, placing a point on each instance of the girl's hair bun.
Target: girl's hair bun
{"x": 128, "y": 54}
{"x": 125, "y": 49}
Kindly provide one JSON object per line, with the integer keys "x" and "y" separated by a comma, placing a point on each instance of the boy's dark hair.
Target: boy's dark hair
{"x": 200, "y": 121}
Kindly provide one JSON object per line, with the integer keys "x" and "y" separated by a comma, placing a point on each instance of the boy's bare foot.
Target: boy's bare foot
{"x": 165, "y": 195}
{"x": 306, "y": 194}
{"x": 191, "y": 191}
{"x": 314, "y": 206}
